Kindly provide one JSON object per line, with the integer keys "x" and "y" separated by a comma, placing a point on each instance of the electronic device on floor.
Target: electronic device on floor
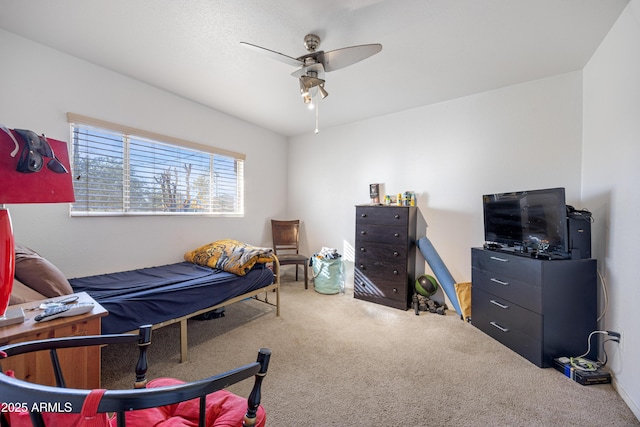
{"x": 581, "y": 376}
{"x": 67, "y": 310}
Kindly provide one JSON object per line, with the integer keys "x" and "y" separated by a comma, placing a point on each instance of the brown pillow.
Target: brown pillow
{"x": 39, "y": 274}
{"x": 21, "y": 293}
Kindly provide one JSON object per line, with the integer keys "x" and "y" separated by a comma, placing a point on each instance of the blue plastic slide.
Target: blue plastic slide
{"x": 440, "y": 270}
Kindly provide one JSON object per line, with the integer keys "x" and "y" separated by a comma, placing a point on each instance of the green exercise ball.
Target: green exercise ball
{"x": 426, "y": 285}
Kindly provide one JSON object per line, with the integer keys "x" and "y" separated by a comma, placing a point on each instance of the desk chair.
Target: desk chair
{"x": 149, "y": 403}
{"x": 286, "y": 246}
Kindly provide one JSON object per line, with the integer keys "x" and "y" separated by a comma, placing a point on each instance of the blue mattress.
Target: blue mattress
{"x": 157, "y": 294}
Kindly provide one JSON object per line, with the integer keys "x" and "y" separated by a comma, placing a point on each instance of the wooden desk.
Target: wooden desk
{"x": 80, "y": 366}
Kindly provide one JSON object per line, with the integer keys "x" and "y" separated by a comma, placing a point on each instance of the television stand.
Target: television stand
{"x": 538, "y": 308}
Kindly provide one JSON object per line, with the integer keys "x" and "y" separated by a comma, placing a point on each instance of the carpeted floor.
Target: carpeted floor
{"x": 338, "y": 361}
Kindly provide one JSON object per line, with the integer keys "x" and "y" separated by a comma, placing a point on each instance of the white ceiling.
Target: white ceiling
{"x": 433, "y": 50}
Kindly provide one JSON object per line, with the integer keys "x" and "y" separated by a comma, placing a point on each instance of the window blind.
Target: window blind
{"x": 123, "y": 173}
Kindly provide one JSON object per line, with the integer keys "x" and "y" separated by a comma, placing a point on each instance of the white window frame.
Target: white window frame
{"x": 232, "y": 206}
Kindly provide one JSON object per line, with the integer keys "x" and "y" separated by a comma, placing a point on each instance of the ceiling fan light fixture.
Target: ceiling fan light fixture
{"x": 304, "y": 90}
{"x": 323, "y": 92}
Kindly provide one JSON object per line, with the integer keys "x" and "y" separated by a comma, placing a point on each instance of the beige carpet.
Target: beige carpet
{"x": 338, "y": 361}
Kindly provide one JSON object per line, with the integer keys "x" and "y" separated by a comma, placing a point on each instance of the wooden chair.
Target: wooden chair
{"x": 142, "y": 406}
{"x": 286, "y": 246}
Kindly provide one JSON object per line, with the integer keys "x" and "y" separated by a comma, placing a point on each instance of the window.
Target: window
{"x": 124, "y": 171}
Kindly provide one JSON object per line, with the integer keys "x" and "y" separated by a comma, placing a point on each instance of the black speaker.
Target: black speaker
{"x": 579, "y": 227}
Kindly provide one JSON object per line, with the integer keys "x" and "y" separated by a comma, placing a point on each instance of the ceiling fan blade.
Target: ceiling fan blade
{"x": 273, "y": 54}
{"x": 340, "y": 58}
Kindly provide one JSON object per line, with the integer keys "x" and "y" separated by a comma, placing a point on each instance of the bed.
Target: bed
{"x": 173, "y": 293}
{"x": 212, "y": 276}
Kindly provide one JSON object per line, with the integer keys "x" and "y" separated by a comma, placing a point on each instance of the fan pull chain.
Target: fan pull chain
{"x": 317, "y": 108}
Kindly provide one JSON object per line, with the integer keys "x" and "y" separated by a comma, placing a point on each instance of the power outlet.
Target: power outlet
{"x": 615, "y": 335}
{"x": 621, "y": 343}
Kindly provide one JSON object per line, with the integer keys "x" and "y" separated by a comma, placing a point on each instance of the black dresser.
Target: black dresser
{"x": 541, "y": 309}
{"x": 384, "y": 268}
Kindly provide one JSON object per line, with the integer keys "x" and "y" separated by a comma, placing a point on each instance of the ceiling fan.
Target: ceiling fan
{"x": 314, "y": 64}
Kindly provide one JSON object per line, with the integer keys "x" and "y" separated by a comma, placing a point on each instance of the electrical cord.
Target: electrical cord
{"x": 589, "y": 343}
{"x": 604, "y": 350}
{"x": 583, "y": 364}
{"x": 604, "y": 295}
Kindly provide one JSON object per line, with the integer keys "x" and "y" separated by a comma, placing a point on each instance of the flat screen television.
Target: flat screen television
{"x": 527, "y": 221}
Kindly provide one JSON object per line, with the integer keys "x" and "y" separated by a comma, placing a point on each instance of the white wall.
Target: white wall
{"x": 517, "y": 138}
{"x": 610, "y": 186}
{"x": 38, "y": 86}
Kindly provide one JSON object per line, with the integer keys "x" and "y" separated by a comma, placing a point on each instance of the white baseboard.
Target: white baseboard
{"x": 627, "y": 399}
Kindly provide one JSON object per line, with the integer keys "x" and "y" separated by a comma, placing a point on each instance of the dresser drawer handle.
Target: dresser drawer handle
{"x": 395, "y": 290}
{"x": 395, "y": 272}
{"x": 494, "y": 302}
{"x": 495, "y": 258}
{"x": 494, "y": 324}
{"x": 395, "y": 253}
{"x": 396, "y": 234}
{"x": 364, "y": 215}
{"x": 362, "y": 233}
{"x": 362, "y": 250}
{"x": 361, "y": 266}
{"x": 499, "y": 282}
{"x": 396, "y": 216}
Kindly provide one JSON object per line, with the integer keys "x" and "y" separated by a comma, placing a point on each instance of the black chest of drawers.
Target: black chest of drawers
{"x": 385, "y": 254}
{"x": 541, "y": 309}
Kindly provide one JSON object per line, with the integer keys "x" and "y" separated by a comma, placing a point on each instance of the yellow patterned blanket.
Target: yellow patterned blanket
{"x": 229, "y": 255}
